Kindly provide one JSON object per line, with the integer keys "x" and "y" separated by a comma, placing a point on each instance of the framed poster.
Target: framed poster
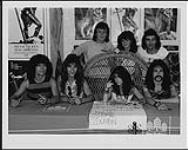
{"x": 85, "y": 21}
{"x": 126, "y": 19}
{"x": 26, "y": 35}
{"x": 164, "y": 21}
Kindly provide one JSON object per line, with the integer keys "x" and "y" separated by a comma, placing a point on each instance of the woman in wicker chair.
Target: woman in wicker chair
{"x": 72, "y": 85}
{"x": 120, "y": 89}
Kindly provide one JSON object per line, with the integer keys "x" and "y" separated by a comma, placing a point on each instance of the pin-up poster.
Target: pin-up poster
{"x": 85, "y": 21}
{"x": 163, "y": 20}
{"x": 126, "y": 19}
{"x": 26, "y": 32}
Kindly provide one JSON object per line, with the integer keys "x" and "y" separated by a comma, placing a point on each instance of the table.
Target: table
{"x": 30, "y": 117}
{"x": 170, "y": 117}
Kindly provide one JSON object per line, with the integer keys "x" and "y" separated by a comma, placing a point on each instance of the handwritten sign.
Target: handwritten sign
{"x": 103, "y": 116}
{"x": 24, "y": 51}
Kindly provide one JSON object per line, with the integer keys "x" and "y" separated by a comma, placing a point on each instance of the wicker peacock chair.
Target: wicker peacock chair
{"x": 98, "y": 69}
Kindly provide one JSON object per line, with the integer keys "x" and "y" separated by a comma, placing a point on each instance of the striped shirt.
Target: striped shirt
{"x": 36, "y": 89}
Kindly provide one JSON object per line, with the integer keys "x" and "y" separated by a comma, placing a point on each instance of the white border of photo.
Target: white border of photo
{"x": 38, "y": 141}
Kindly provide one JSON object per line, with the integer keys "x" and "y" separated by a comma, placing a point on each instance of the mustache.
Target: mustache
{"x": 158, "y": 78}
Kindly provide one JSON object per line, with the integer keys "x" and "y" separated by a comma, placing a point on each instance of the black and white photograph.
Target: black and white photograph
{"x": 96, "y": 74}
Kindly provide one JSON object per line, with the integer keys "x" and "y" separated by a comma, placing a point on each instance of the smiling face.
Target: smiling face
{"x": 41, "y": 69}
{"x": 158, "y": 73}
{"x": 126, "y": 43}
{"x": 72, "y": 69}
{"x": 150, "y": 42}
{"x": 101, "y": 35}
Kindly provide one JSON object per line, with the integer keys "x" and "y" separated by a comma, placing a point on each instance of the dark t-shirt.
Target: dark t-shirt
{"x": 34, "y": 90}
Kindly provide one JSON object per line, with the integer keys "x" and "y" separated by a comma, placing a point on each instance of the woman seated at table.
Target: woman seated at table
{"x": 120, "y": 89}
{"x": 72, "y": 85}
{"x": 39, "y": 84}
{"x": 158, "y": 85}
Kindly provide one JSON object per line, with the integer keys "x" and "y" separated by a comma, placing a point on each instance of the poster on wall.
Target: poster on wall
{"x": 126, "y": 19}
{"x": 163, "y": 20}
{"x": 85, "y": 21}
{"x": 26, "y": 32}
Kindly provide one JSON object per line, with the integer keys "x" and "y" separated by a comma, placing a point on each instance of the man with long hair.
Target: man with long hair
{"x": 158, "y": 84}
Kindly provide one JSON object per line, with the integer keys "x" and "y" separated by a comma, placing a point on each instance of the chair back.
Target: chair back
{"x": 98, "y": 70}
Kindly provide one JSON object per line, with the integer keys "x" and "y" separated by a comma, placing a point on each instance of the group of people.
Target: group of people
{"x": 72, "y": 87}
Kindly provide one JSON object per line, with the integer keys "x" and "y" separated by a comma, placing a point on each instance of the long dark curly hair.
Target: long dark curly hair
{"x": 127, "y": 35}
{"x": 125, "y": 76}
{"x": 149, "y": 82}
{"x": 150, "y": 32}
{"x": 72, "y": 59}
{"x": 36, "y": 60}
{"x": 101, "y": 25}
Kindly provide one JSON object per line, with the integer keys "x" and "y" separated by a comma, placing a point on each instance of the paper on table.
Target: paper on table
{"x": 55, "y": 108}
{"x": 104, "y": 116}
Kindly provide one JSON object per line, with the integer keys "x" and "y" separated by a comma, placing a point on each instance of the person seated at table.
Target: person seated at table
{"x": 151, "y": 48}
{"x": 120, "y": 89}
{"x": 126, "y": 43}
{"x": 158, "y": 84}
{"x": 39, "y": 85}
{"x": 71, "y": 83}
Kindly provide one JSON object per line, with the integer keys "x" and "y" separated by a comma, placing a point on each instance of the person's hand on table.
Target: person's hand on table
{"x": 71, "y": 100}
{"x": 162, "y": 107}
{"x": 77, "y": 101}
{"x": 42, "y": 100}
{"x": 14, "y": 102}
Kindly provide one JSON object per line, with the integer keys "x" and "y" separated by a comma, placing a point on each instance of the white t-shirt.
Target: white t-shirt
{"x": 148, "y": 58}
{"x": 92, "y": 48}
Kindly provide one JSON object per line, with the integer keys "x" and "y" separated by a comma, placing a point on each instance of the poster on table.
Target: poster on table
{"x": 26, "y": 36}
